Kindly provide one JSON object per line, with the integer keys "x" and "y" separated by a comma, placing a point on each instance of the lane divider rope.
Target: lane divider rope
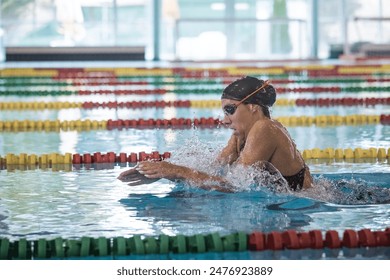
{"x": 320, "y": 102}
{"x": 182, "y": 123}
{"x": 51, "y": 159}
{"x": 310, "y": 70}
{"x": 195, "y": 90}
{"x": 351, "y": 243}
{"x": 117, "y": 81}
{"x": 68, "y": 158}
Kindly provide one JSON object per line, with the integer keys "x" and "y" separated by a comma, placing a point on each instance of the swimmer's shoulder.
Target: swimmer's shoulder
{"x": 266, "y": 126}
{"x": 267, "y": 130}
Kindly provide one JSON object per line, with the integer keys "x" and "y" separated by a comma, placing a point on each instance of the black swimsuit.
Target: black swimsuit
{"x": 295, "y": 182}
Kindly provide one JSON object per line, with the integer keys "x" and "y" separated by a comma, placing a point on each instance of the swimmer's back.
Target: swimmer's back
{"x": 285, "y": 156}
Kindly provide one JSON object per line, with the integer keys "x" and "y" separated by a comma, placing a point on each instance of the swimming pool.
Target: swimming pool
{"x": 44, "y": 200}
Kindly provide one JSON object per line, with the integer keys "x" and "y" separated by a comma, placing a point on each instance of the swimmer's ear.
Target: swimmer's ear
{"x": 254, "y": 107}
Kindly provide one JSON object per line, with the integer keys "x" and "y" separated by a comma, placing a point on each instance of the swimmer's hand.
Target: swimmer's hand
{"x": 160, "y": 169}
{"x": 147, "y": 172}
{"x": 135, "y": 178}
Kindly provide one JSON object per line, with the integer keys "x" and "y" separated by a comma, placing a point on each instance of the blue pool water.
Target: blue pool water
{"x": 91, "y": 202}
{"x": 45, "y": 203}
{"x": 38, "y": 204}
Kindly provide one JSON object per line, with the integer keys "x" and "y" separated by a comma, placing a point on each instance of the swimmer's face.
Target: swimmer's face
{"x": 236, "y": 116}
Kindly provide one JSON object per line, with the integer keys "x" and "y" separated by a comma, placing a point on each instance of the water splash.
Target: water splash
{"x": 196, "y": 154}
{"x": 199, "y": 155}
{"x": 347, "y": 192}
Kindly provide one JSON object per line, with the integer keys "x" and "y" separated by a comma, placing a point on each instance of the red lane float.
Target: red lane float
{"x": 109, "y": 81}
{"x": 256, "y": 241}
{"x": 350, "y": 239}
{"x": 124, "y": 91}
{"x": 332, "y": 239}
{"x": 366, "y": 238}
{"x": 347, "y": 101}
{"x": 111, "y": 157}
{"x": 320, "y": 102}
{"x": 137, "y": 104}
{"x": 291, "y": 239}
{"x": 174, "y": 122}
{"x": 385, "y": 119}
{"x": 305, "y": 240}
{"x": 274, "y": 241}
{"x": 183, "y": 122}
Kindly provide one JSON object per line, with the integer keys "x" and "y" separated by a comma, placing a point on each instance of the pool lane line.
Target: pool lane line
{"x": 186, "y": 90}
{"x": 310, "y": 70}
{"x": 109, "y": 104}
{"x": 122, "y": 81}
{"x": 279, "y": 90}
{"x": 346, "y": 153}
{"x": 111, "y": 159}
{"x": 351, "y": 243}
{"x": 40, "y": 105}
{"x": 345, "y": 101}
{"x": 52, "y": 159}
{"x": 182, "y": 123}
{"x": 302, "y": 102}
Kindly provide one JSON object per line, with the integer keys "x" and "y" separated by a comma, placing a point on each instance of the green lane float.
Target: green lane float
{"x": 174, "y": 80}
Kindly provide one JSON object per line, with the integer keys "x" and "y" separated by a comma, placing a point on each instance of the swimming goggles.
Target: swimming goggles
{"x": 230, "y": 109}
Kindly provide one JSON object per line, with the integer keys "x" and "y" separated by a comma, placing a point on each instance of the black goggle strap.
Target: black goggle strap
{"x": 266, "y": 83}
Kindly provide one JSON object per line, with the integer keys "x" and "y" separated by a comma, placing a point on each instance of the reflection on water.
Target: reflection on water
{"x": 190, "y": 212}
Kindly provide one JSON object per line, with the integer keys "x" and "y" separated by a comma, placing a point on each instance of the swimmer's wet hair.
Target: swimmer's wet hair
{"x": 243, "y": 87}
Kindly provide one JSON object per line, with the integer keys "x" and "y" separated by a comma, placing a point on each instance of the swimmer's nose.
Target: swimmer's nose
{"x": 226, "y": 120}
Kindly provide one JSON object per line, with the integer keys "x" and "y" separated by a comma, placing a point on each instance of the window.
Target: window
{"x": 75, "y": 22}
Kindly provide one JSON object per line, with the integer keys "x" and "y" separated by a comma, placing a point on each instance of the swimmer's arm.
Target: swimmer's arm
{"x": 204, "y": 180}
{"x": 230, "y": 153}
{"x": 171, "y": 171}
